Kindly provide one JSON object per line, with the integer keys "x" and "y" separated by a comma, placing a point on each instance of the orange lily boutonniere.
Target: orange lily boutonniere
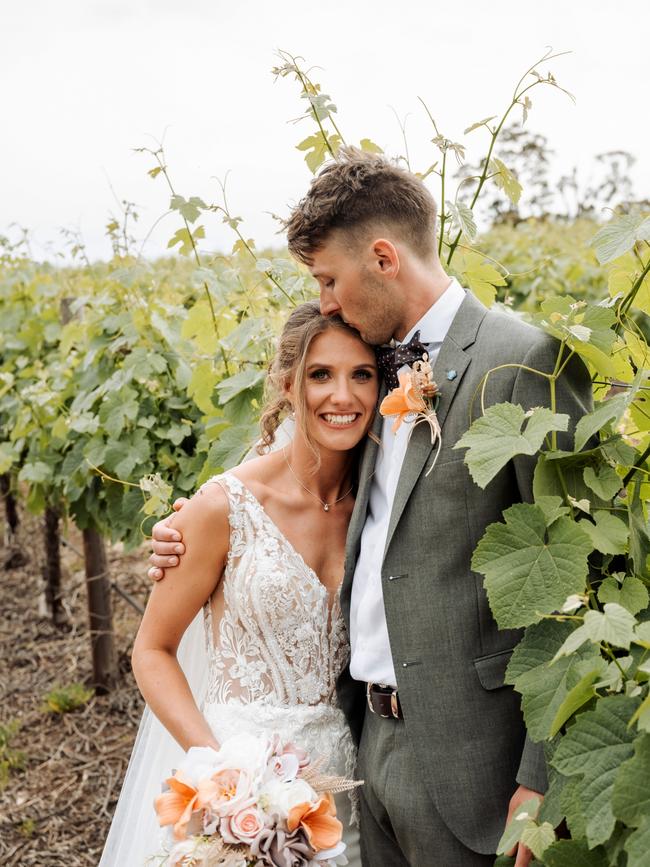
{"x": 414, "y": 401}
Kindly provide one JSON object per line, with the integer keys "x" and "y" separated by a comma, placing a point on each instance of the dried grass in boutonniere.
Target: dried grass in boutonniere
{"x": 415, "y": 401}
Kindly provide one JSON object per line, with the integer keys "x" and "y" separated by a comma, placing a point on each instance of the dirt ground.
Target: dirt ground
{"x": 56, "y": 810}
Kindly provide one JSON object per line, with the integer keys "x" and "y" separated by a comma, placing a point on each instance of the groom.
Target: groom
{"x": 442, "y": 746}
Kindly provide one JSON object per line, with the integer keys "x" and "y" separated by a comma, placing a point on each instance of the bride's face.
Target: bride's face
{"x": 340, "y": 389}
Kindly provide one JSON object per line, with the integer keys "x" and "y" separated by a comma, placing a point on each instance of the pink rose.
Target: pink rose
{"x": 243, "y": 827}
{"x": 227, "y": 792}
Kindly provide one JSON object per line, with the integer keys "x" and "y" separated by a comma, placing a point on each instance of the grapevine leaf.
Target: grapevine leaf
{"x": 639, "y": 532}
{"x": 531, "y": 569}
{"x": 318, "y": 149}
{"x": 545, "y": 687}
{"x": 615, "y": 625}
{"x": 577, "y": 697}
{"x": 503, "y": 431}
{"x": 462, "y": 220}
{"x": 604, "y": 481}
{"x": 234, "y": 385}
{"x": 631, "y": 796}
{"x": 369, "y": 146}
{"x": 619, "y": 236}
{"x": 538, "y": 838}
{"x": 190, "y": 209}
{"x": 505, "y": 180}
{"x": 515, "y": 828}
{"x": 608, "y": 411}
{"x": 478, "y": 123}
{"x": 637, "y": 845}
{"x": 231, "y": 446}
{"x": 632, "y": 594}
{"x": 642, "y": 715}
{"x": 574, "y": 853}
{"x": 609, "y": 534}
{"x": 594, "y": 748}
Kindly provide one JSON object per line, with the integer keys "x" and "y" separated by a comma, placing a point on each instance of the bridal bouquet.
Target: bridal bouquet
{"x": 254, "y": 802}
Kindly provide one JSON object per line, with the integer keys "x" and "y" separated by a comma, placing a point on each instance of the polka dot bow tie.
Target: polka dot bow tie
{"x": 391, "y": 358}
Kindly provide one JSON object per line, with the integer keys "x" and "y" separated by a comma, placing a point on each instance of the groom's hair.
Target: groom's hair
{"x": 356, "y": 192}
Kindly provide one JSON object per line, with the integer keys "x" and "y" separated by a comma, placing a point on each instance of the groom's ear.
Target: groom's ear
{"x": 386, "y": 258}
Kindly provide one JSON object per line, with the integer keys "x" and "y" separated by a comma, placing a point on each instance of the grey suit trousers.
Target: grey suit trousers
{"x": 400, "y": 825}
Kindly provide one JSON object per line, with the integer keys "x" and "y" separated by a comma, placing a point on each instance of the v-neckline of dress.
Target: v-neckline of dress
{"x": 292, "y": 548}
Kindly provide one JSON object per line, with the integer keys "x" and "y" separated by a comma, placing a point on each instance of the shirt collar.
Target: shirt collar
{"x": 435, "y": 323}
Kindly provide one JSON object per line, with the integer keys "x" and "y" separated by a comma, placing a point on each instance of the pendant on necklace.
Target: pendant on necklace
{"x": 326, "y": 507}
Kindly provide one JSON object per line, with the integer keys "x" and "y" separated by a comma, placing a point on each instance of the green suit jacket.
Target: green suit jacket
{"x": 464, "y": 724}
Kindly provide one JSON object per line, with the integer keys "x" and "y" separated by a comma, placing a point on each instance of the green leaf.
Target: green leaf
{"x": 230, "y": 448}
{"x": 574, "y": 853}
{"x": 637, "y": 845}
{"x": 615, "y": 625}
{"x": 36, "y": 472}
{"x": 506, "y": 430}
{"x": 186, "y": 240}
{"x": 639, "y": 532}
{"x": 202, "y": 385}
{"x": 478, "y": 123}
{"x": 572, "y": 807}
{"x": 159, "y": 493}
{"x": 619, "y": 236}
{"x": 581, "y": 693}
{"x": 609, "y": 534}
{"x": 234, "y": 385}
{"x": 369, "y": 146}
{"x": 531, "y": 569}
{"x": 604, "y": 481}
{"x": 545, "y": 687}
{"x": 631, "y": 594}
{"x": 189, "y": 208}
{"x": 631, "y": 796}
{"x": 505, "y": 180}
{"x": 552, "y": 508}
{"x": 318, "y": 149}
{"x": 519, "y": 822}
{"x": 462, "y": 220}
{"x": 606, "y": 412}
{"x": 538, "y": 838}
{"x": 594, "y": 748}
{"x": 7, "y": 457}
{"x": 642, "y": 715}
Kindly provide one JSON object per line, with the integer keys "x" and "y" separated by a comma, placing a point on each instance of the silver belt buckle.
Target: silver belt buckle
{"x": 393, "y": 704}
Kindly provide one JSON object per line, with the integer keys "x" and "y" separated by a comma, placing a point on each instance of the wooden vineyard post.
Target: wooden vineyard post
{"x": 52, "y": 568}
{"x": 100, "y": 612}
{"x": 11, "y": 512}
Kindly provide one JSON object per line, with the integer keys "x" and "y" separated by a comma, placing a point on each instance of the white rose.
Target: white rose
{"x": 245, "y": 752}
{"x": 279, "y": 797}
{"x": 199, "y": 762}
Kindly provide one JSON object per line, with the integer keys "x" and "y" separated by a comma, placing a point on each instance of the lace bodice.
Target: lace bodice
{"x": 271, "y": 636}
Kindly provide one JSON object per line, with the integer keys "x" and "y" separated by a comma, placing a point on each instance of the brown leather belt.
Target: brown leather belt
{"x": 384, "y": 701}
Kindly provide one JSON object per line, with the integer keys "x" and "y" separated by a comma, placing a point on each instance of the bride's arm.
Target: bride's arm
{"x": 171, "y": 608}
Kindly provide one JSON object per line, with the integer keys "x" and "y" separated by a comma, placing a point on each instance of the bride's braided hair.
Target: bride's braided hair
{"x": 304, "y": 323}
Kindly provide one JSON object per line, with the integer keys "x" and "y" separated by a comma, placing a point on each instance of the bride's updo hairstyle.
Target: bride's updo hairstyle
{"x": 305, "y": 323}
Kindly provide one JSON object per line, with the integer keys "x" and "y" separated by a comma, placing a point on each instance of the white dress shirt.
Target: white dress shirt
{"x": 371, "y": 659}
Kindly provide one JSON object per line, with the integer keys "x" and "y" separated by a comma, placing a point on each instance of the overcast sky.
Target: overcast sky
{"x": 86, "y": 81}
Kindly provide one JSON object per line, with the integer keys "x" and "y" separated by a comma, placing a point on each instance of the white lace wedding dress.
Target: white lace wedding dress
{"x": 275, "y": 648}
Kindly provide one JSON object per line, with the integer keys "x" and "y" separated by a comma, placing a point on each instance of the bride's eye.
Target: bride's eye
{"x": 363, "y": 375}
{"x": 319, "y": 375}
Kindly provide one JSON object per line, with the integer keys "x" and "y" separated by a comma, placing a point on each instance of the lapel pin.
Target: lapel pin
{"x": 451, "y": 374}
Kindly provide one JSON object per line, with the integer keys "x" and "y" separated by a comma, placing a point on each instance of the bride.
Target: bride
{"x": 264, "y": 560}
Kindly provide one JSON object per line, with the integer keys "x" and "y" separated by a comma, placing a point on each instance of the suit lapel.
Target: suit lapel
{"x": 452, "y": 357}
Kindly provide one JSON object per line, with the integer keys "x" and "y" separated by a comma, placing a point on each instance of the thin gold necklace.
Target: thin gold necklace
{"x": 326, "y": 506}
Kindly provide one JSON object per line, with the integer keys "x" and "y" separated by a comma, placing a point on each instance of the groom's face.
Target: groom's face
{"x": 353, "y": 285}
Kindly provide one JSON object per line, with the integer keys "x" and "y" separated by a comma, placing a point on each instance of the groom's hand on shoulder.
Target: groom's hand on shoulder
{"x": 521, "y": 795}
{"x": 167, "y": 544}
